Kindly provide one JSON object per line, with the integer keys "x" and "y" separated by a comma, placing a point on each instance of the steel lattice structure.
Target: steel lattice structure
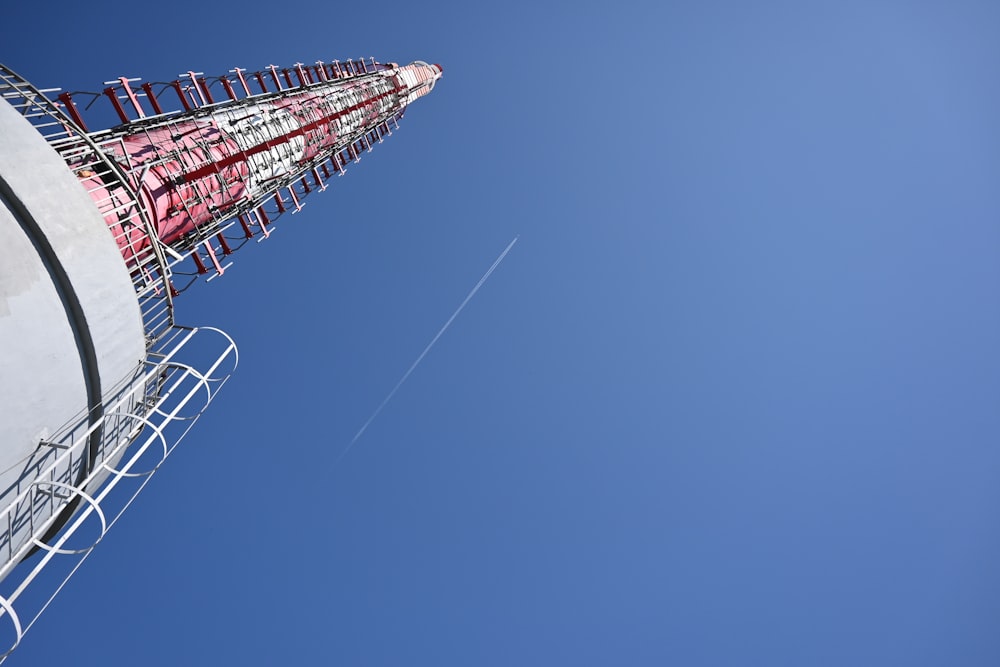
{"x": 193, "y": 169}
{"x": 212, "y": 174}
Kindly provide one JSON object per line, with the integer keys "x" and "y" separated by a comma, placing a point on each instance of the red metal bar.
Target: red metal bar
{"x": 113, "y": 96}
{"x": 73, "y": 112}
{"x": 176, "y": 84}
{"x": 295, "y": 200}
{"x": 197, "y": 88}
{"x": 300, "y": 74}
{"x": 274, "y": 76}
{"x": 228, "y": 86}
{"x": 155, "y": 103}
{"x": 203, "y": 84}
{"x": 131, "y": 97}
{"x": 243, "y": 82}
{"x": 279, "y": 202}
{"x": 260, "y": 81}
{"x": 197, "y": 262}
{"x": 246, "y": 226}
{"x": 264, "y": 221}
{"x": 226, "y": 250}
{"x": 212, "y": 258}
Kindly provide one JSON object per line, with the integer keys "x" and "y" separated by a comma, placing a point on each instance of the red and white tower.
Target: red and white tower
{"x": 99, "y": 232}
{"x": 242, "y": 149}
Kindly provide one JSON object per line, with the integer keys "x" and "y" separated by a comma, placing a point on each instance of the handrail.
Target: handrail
{"x": 153, "y": 405}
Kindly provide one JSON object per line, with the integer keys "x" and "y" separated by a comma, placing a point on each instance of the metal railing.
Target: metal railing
{"x": 69, "y": 481}
{"x": 151, "y": 414}
{"x": 116, "y": 195}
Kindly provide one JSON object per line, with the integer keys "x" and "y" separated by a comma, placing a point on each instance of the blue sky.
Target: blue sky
{"x": 730, "y": 400}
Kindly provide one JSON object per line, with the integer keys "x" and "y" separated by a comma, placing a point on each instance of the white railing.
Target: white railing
{"x": 149, "y": 417}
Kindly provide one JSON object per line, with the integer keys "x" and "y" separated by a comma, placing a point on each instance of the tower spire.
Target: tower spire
{"x": 239, "y": 149}
{"x": 100, "y": 383}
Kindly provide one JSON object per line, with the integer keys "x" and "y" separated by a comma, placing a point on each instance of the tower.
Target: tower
{"x": 100, "y": 231}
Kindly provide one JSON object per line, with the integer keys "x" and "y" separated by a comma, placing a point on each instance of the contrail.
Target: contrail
{"x": 427, "y": 349}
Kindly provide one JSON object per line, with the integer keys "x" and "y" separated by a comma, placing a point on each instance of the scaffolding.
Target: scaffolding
{"x": 92, "y": 467}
